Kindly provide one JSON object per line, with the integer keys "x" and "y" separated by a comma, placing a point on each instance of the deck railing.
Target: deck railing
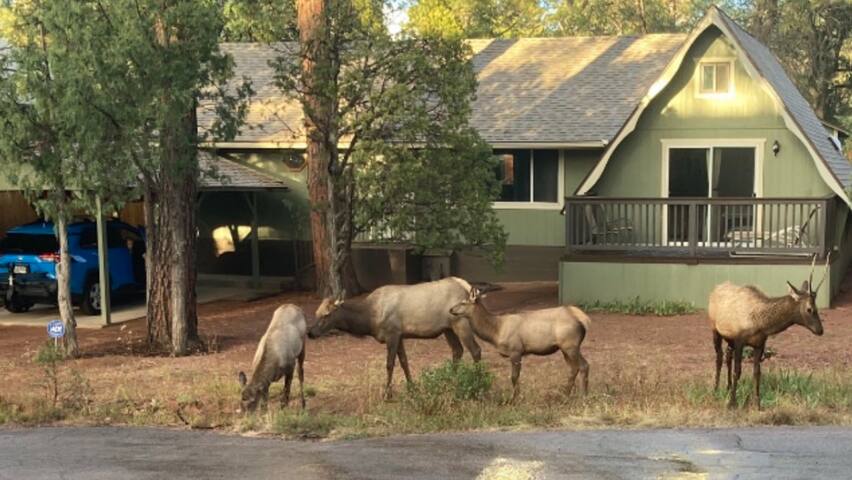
{"x": 698, "y": 226}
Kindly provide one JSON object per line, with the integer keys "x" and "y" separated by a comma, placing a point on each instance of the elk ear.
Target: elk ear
{"x": 805, "y": 288}
{"x": 243, "y": 380}
{"x": 794, "y": 292}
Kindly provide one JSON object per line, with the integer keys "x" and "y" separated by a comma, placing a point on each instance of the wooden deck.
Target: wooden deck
{"x": 688, "y": 230}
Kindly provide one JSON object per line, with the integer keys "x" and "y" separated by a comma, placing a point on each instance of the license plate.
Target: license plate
{"x": 21, "y": 269}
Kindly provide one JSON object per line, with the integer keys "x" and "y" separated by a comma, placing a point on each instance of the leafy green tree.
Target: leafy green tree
{"x": 383, "y": 120}
{"x": 259, "y": 20}
{"x": 477, "y": 18}
{"x": 38, "y": 145}
{"x": 142, "y": 70}
{"x": 813, "y": 39}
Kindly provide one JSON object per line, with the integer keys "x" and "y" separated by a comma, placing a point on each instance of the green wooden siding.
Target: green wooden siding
{"x": 546, "y": 227}
{"x": 584, "y": 282}
{"x": 678, "y": 113}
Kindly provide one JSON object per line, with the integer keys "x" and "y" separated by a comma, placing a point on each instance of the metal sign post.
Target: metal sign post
{"x": 56, "y": 330}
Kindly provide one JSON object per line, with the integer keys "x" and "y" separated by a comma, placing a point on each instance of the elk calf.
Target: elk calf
{"x": 743, "y": 315}
{"x": 537, "y": 332}
{"x": 279, "y": 352}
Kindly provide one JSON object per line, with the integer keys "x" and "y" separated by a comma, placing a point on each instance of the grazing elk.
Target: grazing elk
{"x": 394, "y": 312}
{"x": 746, "y": 316}
{"x": 537, "y": 332}
{"x": 280, "y": 351}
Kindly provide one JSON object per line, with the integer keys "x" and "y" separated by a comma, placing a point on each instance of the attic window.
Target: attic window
{"x": 715, "y": 78}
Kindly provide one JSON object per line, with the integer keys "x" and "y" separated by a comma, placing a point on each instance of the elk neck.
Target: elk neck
{"x": 484, "y": 323}
{"x": 354, "y": 316}
{"x": 778, "y": 314}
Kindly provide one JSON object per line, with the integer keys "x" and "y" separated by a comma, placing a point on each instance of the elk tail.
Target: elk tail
{"x": 581, "y": 317}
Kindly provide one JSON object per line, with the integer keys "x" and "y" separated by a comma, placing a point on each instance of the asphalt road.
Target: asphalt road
{"x": 130, "y": 453}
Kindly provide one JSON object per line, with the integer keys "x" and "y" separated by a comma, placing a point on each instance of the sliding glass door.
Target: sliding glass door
{"x": 712, "y": 172}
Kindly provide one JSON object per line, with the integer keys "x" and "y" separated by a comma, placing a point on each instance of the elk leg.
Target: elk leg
{"x": 393, "y": 345}
{"x": 729, "y": 357}
{"x": 463, "y": 331}
{"x": 516, "y": 373}
{"x": 403, "y": 361}
{"x": 573, "y": 360}
{"x": 738, "y": 368}
{"x": 717, "y": 345}
{"x": 584, "y": 372}
{"x": 288, "y": 383}
{"x": 758, "y": 358}
{"x": 301, "y": 372}
{"x": 455, "y": 345}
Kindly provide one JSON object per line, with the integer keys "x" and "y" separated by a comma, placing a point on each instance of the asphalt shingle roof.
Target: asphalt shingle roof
{"x": 564, "y": 90}
{"x": 230, "y": 175}
{"x": 536, "y": 90}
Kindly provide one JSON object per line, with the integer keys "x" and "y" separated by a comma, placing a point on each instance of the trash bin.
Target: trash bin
{"x": 436, "y": 264}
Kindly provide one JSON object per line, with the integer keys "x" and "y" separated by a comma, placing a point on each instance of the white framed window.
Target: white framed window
{"x": 530, "y": 178}
{"x": 715, "y": 78}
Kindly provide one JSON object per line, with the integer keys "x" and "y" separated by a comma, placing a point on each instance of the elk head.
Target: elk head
{"x": 326, "y": 320}
{"x": 249, "y": 395}
{"x": 465, "y": 307}
{"x": 805, "y": 297}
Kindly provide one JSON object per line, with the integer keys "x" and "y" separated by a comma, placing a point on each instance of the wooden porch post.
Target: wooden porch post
{"x": 103, "y": 263}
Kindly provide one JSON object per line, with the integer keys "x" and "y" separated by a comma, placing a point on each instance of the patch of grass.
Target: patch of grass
{"x": 787, "y": 388}
{"x": 303, "y": 424}
{"x": 637, "y": 306}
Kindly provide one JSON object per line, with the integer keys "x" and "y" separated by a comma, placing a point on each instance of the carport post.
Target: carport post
{"x": 103, "y": 263}
{"x": 255, "y": 246}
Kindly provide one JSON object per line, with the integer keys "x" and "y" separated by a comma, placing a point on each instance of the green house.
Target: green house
{"x": 647, "y": 166}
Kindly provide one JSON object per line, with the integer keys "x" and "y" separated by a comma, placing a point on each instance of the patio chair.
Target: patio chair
{"x": 606, "y": 230}
{"x": 793, "y": 236}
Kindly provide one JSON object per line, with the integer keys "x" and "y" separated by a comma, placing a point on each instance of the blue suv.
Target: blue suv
{"x": 29, "y": 253}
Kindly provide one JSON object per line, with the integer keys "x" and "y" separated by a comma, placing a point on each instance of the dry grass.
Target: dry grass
{"x": 645, "y": 372}
{"x": 626, "y": 397}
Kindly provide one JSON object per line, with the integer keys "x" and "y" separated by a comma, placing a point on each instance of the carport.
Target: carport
{"x": 227, "y": 176}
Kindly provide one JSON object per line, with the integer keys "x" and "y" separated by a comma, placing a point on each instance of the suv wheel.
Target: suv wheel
{"x": 91, "y": 304}
{"x": 16, "y": 305}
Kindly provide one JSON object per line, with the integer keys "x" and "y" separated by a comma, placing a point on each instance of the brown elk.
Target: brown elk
{"x": 394, "y": 312}
{"x": 536, "y": 332}
{"x": 745, "y": 316}
{"x": 280, "y": 351}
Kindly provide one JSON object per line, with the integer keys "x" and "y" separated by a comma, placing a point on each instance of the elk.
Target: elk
{"x": 280, "y": 351}
{"x": 536, "y": 332}
{"x": 394, "y": 312}
{"x": 745, "y": 316}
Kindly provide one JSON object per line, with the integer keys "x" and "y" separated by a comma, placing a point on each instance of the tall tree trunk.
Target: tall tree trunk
{"x": 172, "y": 314}
{"x": 63, "y": 283}
{"x": 335, "y": 275}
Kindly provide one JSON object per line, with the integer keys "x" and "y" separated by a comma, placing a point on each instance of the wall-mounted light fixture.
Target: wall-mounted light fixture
{"x": 776, "y": 147}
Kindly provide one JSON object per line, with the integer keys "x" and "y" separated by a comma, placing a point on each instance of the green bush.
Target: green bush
{"x": 447, "y": 385}
{"x": 637, "y": 306}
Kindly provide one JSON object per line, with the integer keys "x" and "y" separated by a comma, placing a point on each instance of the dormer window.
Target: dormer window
{"x": 715, "y": 78}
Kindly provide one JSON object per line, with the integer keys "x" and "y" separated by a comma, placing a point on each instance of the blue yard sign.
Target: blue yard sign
{"x": 55, "y": 329}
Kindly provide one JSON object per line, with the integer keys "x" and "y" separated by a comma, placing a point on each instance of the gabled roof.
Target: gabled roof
{"x": 558, "y": 91}
{"x": 764, "y": 67}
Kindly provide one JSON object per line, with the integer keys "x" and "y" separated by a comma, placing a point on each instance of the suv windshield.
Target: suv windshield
{"x": 28, "y": 243}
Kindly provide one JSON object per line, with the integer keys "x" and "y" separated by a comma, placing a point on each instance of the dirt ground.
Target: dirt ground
{"x": 617, "y": 345}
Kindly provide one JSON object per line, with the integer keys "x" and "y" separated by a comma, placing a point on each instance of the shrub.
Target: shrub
{"x": 447, "y": 385}
{"x": 637, "y": 306}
